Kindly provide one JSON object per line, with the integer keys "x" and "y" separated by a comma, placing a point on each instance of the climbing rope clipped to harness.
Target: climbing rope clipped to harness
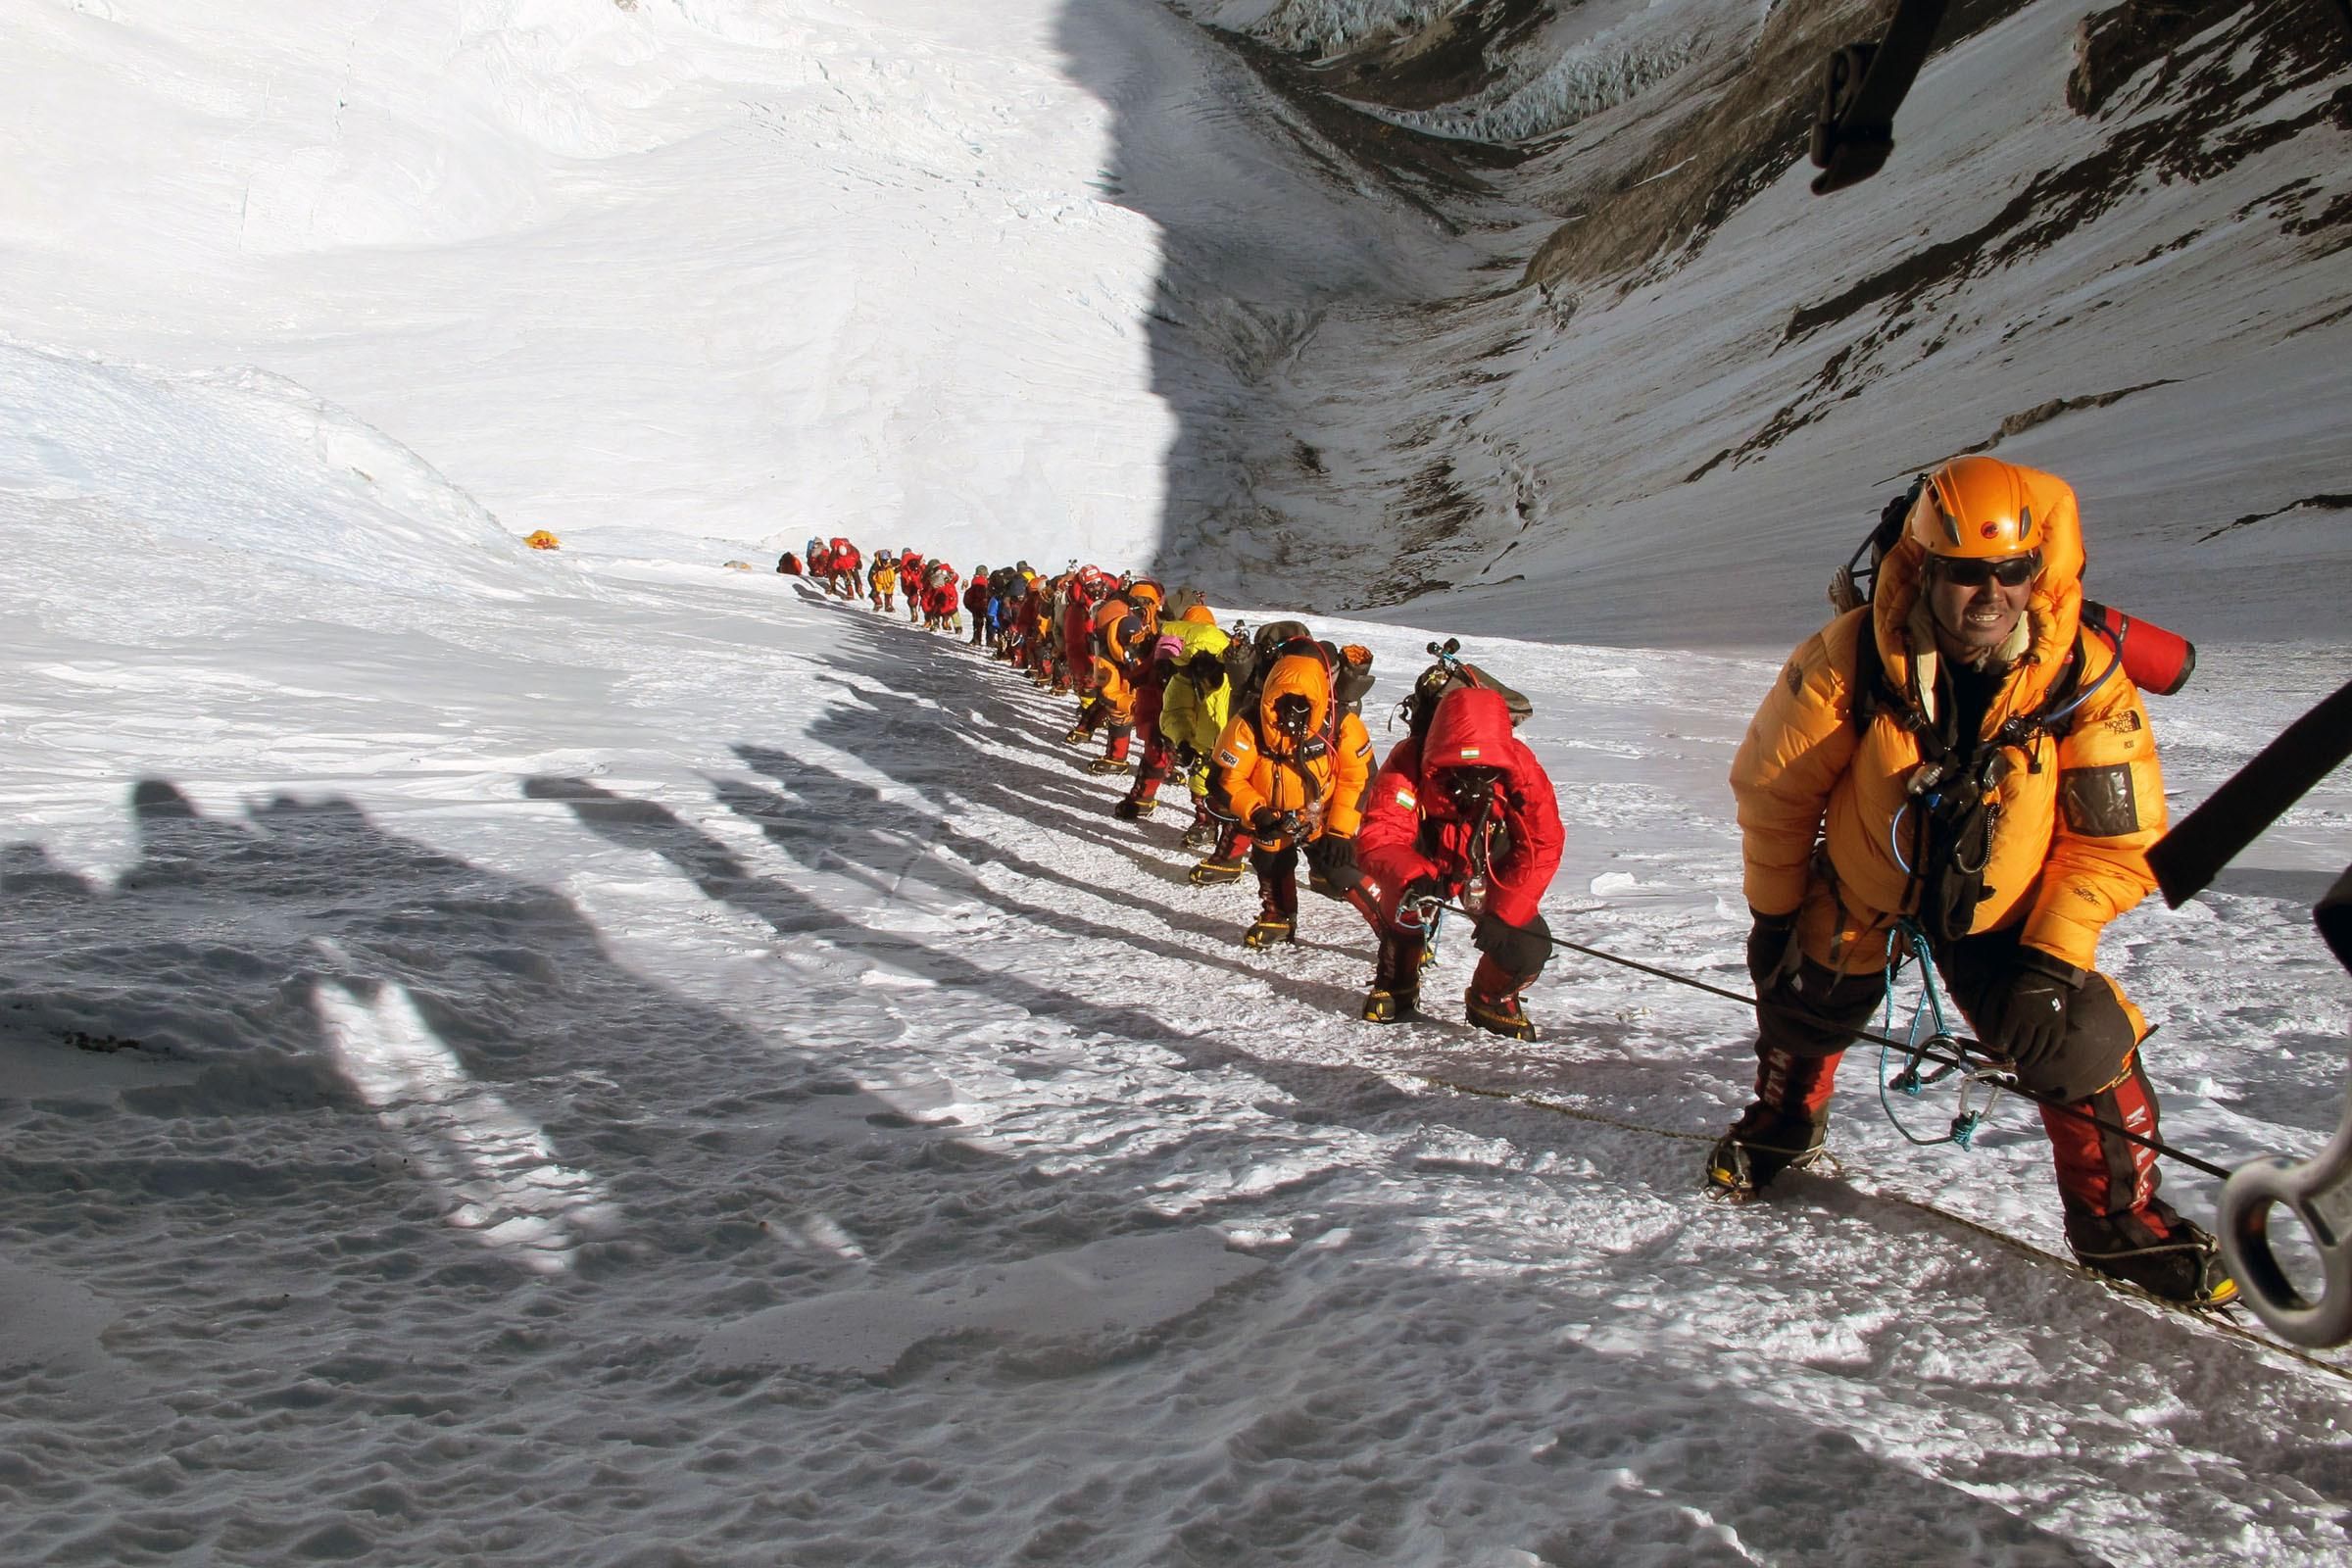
{"x": 1958, "y": 1056}
{"x": 1911, "y": 1081}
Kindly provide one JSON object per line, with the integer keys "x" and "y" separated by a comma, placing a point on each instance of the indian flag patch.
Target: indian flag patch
{"x": 1408, "y": 799}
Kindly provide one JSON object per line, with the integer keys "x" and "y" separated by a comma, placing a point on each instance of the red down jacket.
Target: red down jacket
{"x": 1411, "y": 828}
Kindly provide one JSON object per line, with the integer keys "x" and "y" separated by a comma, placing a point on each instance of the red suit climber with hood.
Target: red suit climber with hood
{"x": 1466, "y": 808}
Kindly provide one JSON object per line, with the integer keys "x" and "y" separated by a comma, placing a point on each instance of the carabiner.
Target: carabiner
{"x": 2319, "y": 1191}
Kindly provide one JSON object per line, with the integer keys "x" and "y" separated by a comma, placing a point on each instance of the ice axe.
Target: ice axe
{"x": 2319, "y": 1190}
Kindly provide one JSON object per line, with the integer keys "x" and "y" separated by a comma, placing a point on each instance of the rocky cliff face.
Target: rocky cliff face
{"x": 2106, "y": 243}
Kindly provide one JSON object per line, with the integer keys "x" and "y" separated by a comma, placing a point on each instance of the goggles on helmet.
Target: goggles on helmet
{"x": 1975, "y": 571}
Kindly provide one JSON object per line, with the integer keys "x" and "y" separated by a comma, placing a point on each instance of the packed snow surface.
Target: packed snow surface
{"x": 598, "y": 1058}
{"x": 517, "y": 1057}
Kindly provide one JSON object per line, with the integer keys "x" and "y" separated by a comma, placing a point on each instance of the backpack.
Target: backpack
{"x": 1352, "y": 678}
{"x": 1246, "y": 657}
{"x": 1419, "y": 710}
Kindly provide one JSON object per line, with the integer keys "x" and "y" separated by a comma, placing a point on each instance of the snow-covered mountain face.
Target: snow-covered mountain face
{"x": 1669, "y": 392}
{"x": 595, "y": 1058}
{"x": 1348, "y": 301}
{"x": 691, "y": 278}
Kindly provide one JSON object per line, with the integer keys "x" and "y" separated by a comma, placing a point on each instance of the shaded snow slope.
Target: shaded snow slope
{"x": 1667, "y": 419}
{"x": 507, "y": 1060}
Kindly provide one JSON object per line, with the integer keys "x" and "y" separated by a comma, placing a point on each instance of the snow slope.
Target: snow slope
{"x": 600, "y": 1059}
{"x": 1669, "y": 389}
{"x": 515, "y": 1059}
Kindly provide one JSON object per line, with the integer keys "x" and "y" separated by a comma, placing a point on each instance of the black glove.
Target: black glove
{"x": 1185, "y": 758}
{"x": 1521, "y": 949}
{"x": 1773, "y": 951}
{"x": 2025, "y": 1011}
{"x": 1332, "y": 859}
{"x": 1265, "y": 822}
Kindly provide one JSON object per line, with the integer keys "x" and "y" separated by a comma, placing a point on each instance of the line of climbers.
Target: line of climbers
{"x": 937, "y": 597}
{"x": 1961, "y": 758}
{"x": 1267, "y": 732}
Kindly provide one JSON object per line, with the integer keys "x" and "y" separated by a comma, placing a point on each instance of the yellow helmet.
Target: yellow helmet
{"x": 1982, "y": 508}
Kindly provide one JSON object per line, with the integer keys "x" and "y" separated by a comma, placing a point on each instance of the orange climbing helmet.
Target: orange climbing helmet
{"x": 1982, "y": 508}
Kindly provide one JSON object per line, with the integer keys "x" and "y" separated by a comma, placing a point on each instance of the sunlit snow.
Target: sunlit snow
{"x": 596, "y": 1056}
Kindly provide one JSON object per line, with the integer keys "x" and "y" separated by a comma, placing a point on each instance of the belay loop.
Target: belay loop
{"x": 1940, "y": 1047}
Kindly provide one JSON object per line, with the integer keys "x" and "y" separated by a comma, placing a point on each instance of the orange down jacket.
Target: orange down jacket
{"x": 1322, "y": 778}
{"x": 2078, "y": 812}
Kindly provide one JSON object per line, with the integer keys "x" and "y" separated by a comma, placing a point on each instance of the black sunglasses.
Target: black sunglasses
{"x": 1967, "y": 571}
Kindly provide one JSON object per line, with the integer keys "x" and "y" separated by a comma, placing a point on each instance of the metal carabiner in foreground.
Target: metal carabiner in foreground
{"x": 2319, "y": 1193}
{"x": 2319, "y": 1190}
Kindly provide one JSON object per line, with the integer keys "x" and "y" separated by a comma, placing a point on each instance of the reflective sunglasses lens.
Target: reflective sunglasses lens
{"x": 1965, "y": 572}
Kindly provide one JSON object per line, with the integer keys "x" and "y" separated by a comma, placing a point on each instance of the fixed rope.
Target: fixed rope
{"x": 1920, "y": 1052}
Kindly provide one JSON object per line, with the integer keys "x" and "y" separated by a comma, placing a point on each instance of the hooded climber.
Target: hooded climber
{"x": 1150, "y": 692}
{"x": 1030, "y": 620}
{"x": 1464, "y": 809}
{"x": 975, "y": 603}
{"x": 1125, "y": 623}
{"x": 1957, "y": 761}
{"x": 1080, "y": 595}
{"x": 1194, "y": 704}
{"x": 882, "y": 583}
{"x": 842, "y": 566}
{"x": 1293, "y": 768}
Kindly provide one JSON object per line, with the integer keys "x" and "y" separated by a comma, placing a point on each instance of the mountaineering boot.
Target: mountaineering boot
{"x": 1761, "y": 1144}
{"x": 1277, "y": 899}
{"x": 1395, "y": 979}
{"x": 1110, "y": 764}
{"x": 1497, "y": 1015}
{"x": 1204, "y": 831}
{"x": 1271, "y": 926}
{"x": 1128, "y": 809}
{"x": 1492, "y": 1001}
{"x": 1216, "y": 869}
{"x": 2186, "y": 1268}
{"x": 2107, "y": 1185}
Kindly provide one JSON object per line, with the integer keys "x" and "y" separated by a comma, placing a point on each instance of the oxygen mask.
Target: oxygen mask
{"x": 1292, "y": 712}
{"x": 1471, "y": 789}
